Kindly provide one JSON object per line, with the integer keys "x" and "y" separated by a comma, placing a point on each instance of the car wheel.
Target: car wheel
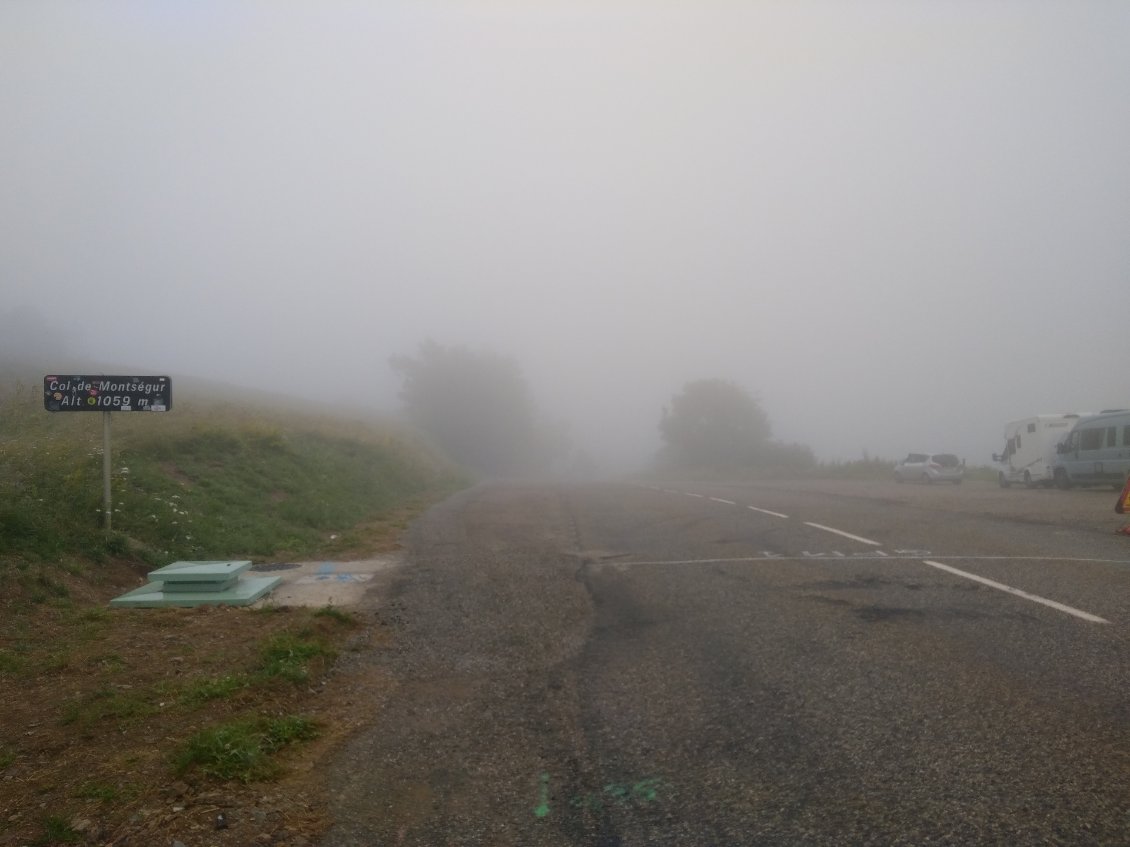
{"x": 1028, "y": 480}
{"x": 1062, "y": 480}
{"x": 1002, "y": 480}
{"x": 926, "y": 478}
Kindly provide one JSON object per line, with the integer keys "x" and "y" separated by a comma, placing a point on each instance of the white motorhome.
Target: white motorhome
{"x": 1030, "y": 449}
{"x": 1096, "y": 451}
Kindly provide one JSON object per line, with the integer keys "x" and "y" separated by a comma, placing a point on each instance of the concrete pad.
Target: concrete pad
{"x": 156, "y": 595}
{"x": 323, "y": 583}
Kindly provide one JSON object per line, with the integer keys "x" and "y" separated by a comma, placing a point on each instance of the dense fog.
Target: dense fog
{"x": 897, "y": 225}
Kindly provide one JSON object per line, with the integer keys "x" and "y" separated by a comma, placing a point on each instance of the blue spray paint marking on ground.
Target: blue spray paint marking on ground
{"x": 329, "y": 571}
{"x": 326, "y": 571}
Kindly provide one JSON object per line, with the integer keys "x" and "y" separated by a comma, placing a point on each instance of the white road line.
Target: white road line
{"x": 1031, "y": 559}
{"x": 877, "y": 556}
{"x": 766, "y": 512}
{"x": 844, "y": 534}
{"x": 1087, "y": 616}
{"x": 829, "y": 558}
{"x": 720, "y": 500}
{"x": 689, "y": 494}
{"x": 623, "y": 563}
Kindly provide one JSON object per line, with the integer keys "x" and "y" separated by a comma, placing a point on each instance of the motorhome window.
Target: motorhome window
{"x": 1111, "y": 436}
{"x": 1018, "y": 442}
{"x": 1126, "y": 436}
{"x": 1092, "y": 439}
{"x": 1031, "y": 427}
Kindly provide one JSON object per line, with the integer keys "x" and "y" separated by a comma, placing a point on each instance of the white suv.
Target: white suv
{"x": 930, "y": 467}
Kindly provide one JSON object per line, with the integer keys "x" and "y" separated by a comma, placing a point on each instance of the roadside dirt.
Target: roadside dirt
{"x": 96, "y": 702}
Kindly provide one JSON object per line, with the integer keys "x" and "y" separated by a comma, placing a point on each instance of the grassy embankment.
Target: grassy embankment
{"x": 199, "y": 482}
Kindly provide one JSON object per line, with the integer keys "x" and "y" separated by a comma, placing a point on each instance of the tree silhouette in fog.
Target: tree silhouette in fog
{"x": 715, "y": 423}
{"x": 476, "y": 405}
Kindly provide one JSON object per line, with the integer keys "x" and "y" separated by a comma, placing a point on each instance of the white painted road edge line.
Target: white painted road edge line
{"x": 700, "y": 496}
{"x": 766, "y": 512}
{"x": 844, "y": 534}
{"x": 877, "y": 556}
{"x": 1087, "y": 616}
{"x": 720, "y": 500}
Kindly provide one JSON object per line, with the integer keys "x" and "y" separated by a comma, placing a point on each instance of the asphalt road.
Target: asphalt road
{"x": 778, "y": 664}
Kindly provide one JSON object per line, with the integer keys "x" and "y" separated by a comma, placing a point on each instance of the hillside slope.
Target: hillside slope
{"x": 142, "y": 725}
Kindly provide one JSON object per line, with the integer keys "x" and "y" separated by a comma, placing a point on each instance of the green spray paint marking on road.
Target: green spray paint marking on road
{"x": 641, "y": 793}
{"x": 542, "y": 809}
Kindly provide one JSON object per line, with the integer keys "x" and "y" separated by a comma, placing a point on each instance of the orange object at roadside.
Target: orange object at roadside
{"x": 1123, "y": 504}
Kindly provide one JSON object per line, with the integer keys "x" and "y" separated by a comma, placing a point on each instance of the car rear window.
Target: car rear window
{"x": 946, "y": 460}
{"x": 917, "y": 457}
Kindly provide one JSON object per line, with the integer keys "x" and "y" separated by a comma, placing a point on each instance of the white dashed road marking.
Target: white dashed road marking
{"x": 766, "y": 512}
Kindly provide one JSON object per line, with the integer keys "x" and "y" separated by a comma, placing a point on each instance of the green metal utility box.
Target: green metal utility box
{"x": 198, "y": 584}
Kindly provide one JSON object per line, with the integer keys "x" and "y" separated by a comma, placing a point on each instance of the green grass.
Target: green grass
{"x": 218, "y": 688}
{"x": 982, "y": 473}
{"x": 122, "y": 707}
{"x": 56, "y": 830}
{"x": 242, "y": 750}
{"x": 335, "y": 614}
{"x": 11, "y": 662}
{"x": 101, "y": 792}
{"x": 108, "y": 662}
{"x": 883, "y": 469}
{"x": 287, "y": 656}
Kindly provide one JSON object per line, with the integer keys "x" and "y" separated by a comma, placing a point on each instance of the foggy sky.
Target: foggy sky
{"x": 899, "y": 225}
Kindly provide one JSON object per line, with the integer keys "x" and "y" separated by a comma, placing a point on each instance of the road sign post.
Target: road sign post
{"x": 107, "y": 394}
{"x": 107, "y": 497}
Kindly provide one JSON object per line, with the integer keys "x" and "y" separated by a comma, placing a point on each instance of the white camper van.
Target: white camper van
{"x": 1030, "y": 449}
{"x": 1096, "y": 452}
